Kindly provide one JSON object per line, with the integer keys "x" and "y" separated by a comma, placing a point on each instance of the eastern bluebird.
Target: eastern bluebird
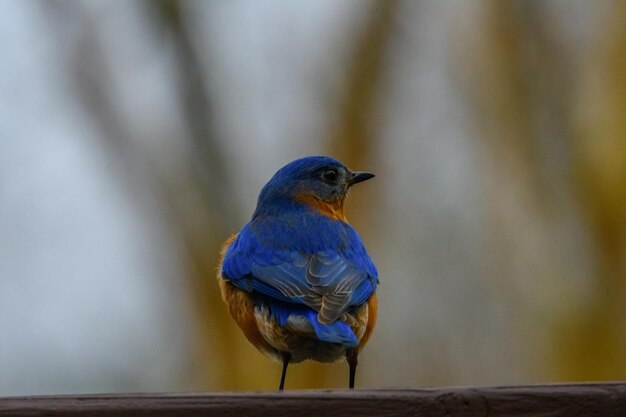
{"x": 297, "y": 278}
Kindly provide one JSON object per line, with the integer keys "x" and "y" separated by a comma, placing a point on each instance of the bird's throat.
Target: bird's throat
{"x": 333, "y": 209}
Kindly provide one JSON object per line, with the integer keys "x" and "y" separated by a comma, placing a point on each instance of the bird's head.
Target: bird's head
{"x": 319, "y": 182}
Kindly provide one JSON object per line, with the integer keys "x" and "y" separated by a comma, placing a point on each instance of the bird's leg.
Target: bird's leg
{"x": 286, "y": 359}
{"x": 353, "y": 360}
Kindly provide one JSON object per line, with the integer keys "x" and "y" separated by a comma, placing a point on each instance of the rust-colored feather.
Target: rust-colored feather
{"x": 333, "y": 210}
{"x": 241, "y": 308}
{"x": 372, "y": 316}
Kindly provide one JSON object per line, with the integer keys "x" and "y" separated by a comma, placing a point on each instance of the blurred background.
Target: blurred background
{"x": 135, "y": 137}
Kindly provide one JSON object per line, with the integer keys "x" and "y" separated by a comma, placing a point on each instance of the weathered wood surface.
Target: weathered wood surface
{"x": 588, "y": 400}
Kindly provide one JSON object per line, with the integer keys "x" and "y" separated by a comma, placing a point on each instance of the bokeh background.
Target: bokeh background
{"x": 135, "y": 137}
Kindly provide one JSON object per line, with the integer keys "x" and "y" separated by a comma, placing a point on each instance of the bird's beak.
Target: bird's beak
{"x": 360, "y": 176}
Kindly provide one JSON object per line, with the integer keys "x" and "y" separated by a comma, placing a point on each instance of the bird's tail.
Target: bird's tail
{"x": 336, "y": 332}
{"x": 304, "y": 319}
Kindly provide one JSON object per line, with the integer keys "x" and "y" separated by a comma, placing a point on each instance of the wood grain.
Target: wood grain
{"x": 573, "y": 400}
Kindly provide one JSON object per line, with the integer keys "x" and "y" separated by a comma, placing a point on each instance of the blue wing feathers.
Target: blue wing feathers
{"x": 299, "y": 265}
{"x": 363, "y": 292}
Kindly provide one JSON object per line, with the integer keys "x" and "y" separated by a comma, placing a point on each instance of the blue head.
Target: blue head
{"x": 318, "y": 182}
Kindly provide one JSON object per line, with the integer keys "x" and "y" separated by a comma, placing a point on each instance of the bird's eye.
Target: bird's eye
{"x": 330, "y": 175}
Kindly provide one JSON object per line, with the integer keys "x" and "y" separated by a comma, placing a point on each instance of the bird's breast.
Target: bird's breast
{"x": 333, "y": 210}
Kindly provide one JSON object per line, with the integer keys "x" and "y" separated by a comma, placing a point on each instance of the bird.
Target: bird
{"x": 297, "y": 278}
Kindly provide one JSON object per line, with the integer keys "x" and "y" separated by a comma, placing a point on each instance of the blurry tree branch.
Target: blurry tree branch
{"x": 352, "y": 140}
{"x": 523, "y": 90}
{"x": 192, "y": 195}
{"x": 599, "y": 173}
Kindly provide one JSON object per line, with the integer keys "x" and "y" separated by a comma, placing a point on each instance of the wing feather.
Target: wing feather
{"x": 328, "y": 281}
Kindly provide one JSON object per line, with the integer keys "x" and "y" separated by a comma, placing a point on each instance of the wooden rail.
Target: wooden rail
{"x": 574, "y": 400}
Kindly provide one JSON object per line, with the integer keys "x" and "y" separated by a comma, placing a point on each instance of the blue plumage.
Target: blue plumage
{"x": 294, "y": 254}
{"x": 297, "y": 278}
{"x": 337, "y": 332}
{"x": 272, "y": 259}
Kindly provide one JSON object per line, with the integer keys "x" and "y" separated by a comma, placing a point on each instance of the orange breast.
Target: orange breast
{"x": 372, "y": 316}
{"x": 241, "y": 308}
{"x": 334, "y": 209}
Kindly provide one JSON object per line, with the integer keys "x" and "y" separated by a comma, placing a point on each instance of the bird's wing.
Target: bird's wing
{"x": 328, "y": 281}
